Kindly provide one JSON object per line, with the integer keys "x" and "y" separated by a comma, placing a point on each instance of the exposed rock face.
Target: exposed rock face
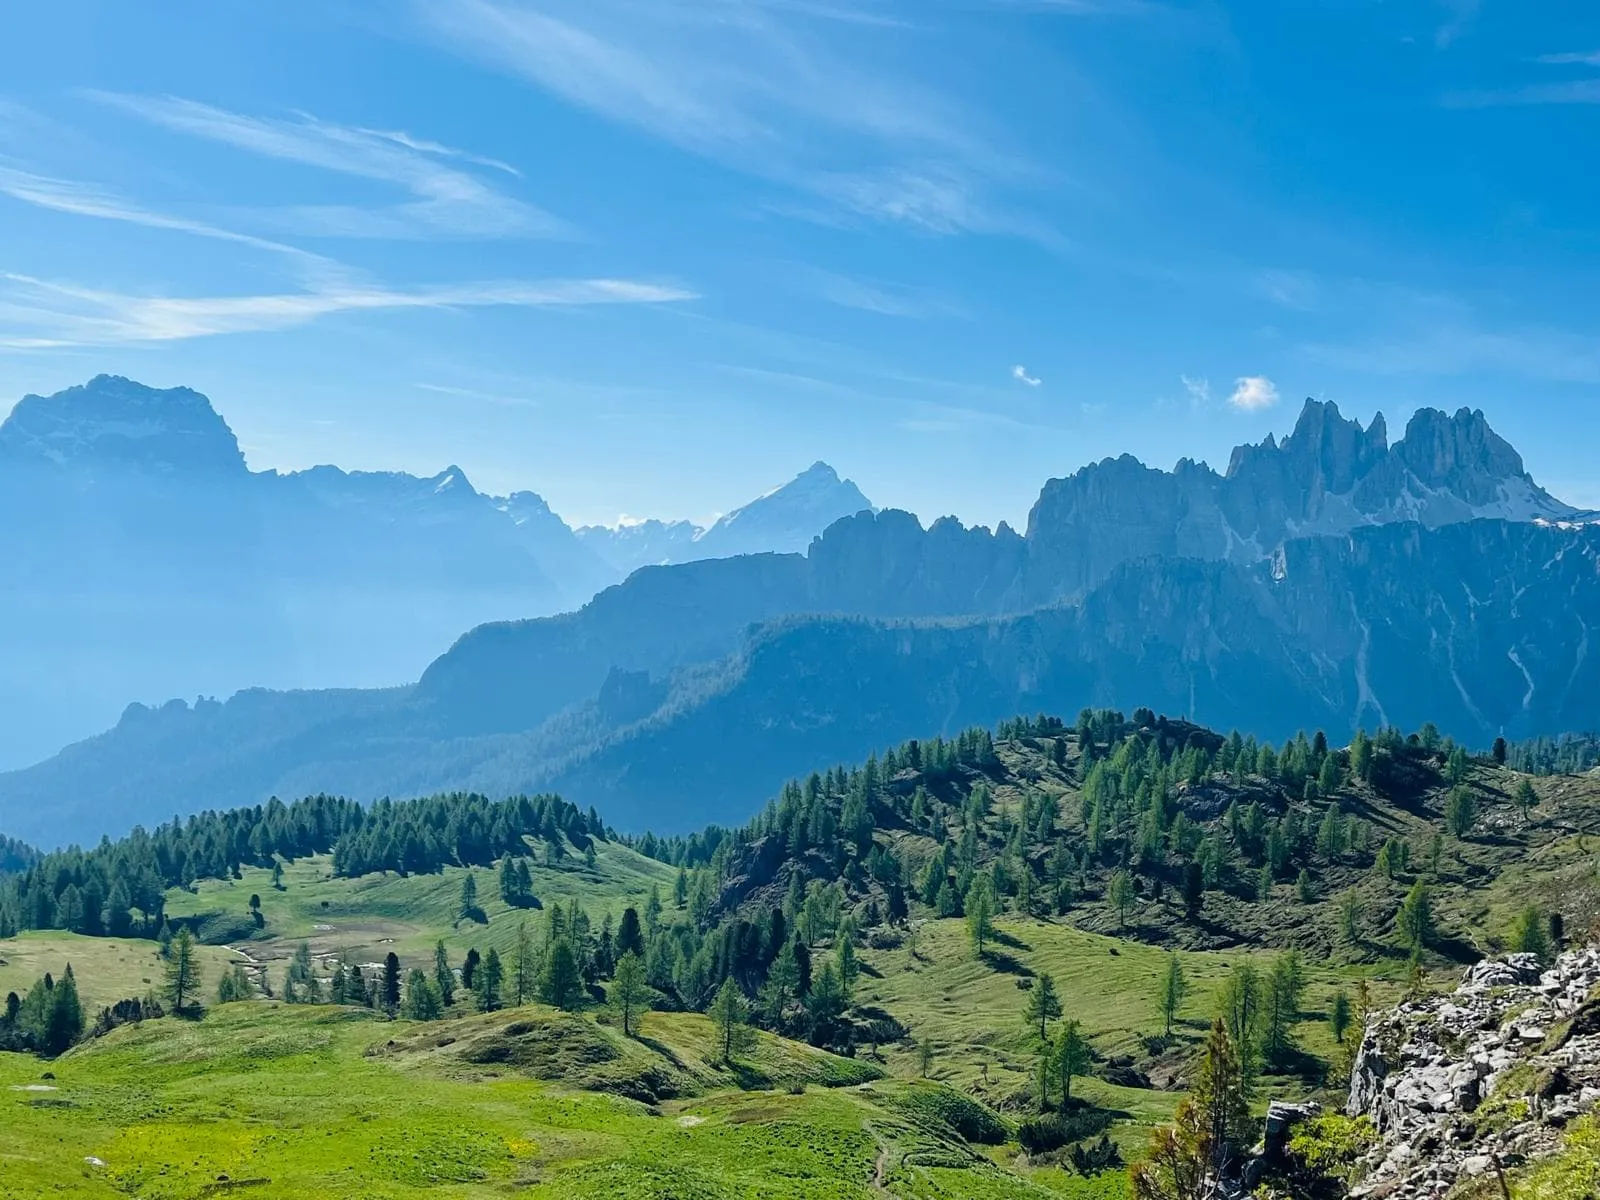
{"x": 1490, "y": 1073}
{"x": 1329, "y": 476}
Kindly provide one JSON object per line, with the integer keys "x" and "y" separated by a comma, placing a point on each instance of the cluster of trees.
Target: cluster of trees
{"x": 48, "y": 1021}
{"x": 1569, "y": 754}
{"x": 118, "y": 888}
{"x": 16, "y": 855}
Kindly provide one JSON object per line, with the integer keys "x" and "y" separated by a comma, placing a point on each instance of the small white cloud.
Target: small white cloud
{"x": 1020, "y": 374}
{"x": 1199, "y": 389}
{"x": 1253, "y": 392}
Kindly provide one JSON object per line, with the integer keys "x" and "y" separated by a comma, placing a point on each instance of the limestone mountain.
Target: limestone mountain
{"x": 1330, "y": 579}
{"x": 145, "y": 560}
{"x": 783, "y": 520}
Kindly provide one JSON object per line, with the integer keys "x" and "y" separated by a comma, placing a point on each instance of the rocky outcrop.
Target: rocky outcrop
{"x": 1479, "y": 1080}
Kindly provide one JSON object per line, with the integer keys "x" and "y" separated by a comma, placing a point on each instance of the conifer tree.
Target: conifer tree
{"x": 1043, "y": 1005}
{"x": 630, "y": 992}
{"x": 183, "y": 971}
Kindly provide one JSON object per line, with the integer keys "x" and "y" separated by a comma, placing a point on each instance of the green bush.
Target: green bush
{"x": 961, "y": 1114}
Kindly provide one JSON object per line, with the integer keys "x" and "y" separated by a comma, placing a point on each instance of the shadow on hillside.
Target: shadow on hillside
{"x": 1007, "y": 964}
{"x": 661, "y": 1048}
{"x": 1010, "y": 940}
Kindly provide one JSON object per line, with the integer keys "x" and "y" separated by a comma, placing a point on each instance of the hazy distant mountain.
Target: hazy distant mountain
{"x": 784, "y": 520}
{"x": 1327, "y": 580}
{"x": 146, "y": 560}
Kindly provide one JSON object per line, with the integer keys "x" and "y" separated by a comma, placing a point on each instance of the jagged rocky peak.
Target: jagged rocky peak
{"x": 1460, "y": 453}
{"x": 115, "y": 424}
{"x": 1327, "y": 452}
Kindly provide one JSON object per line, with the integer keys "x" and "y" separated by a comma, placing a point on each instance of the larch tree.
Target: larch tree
{"x": 183, "y": 971}
{"x": 1043, "y": 1006}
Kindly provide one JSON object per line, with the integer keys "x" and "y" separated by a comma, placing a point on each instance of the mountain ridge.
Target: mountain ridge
{"x": 146, "y": 559}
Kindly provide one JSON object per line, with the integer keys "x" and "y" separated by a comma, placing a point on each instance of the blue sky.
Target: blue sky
{"x": 650, "y": 257}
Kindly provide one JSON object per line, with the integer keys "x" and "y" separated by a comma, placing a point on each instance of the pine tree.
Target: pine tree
{"x": 423, "y": 1002}
{"x": 391, "y": 983}
{"x": 183, "y": 971}
{"x": 1415, "y": 921}
{"x": 1173, "y": 988}
{"x": 493, "y": 978}
{"x": 630, "y": 935}
{"x": 1339, "y": 1015}
{"x": 1527, "y": 799}
{"x": 1221, "y": 1098}
{"x": 1043, "y": 1005}
{"x": 1350, "y": 917}
{"x": 469, "y": 898}
{"x": 560, "y": 984}
{"x": 1071, "y": 1058}
{"x": 64, "y": 1024}
{"x": 1529, "y": 934}
{"x": 1460, "y": 812}
{"x": 524, "y": 966}
{"x": 979, "y": 907}
{"x": 728, "y": 1015}
{"x": 630, "y": 992}
{"x": 1121, "y": 895}
{"x": 444, "y": 979}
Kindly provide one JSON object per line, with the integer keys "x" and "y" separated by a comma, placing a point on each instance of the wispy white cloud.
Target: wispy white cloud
{"x": 1584, "y": 59}
{"x": 876, "y": 296}
{"x": 1251, "y": 393}
{"x": 756, "y": 85}
{"x": 1199, "y": 389}
{"x": 1020, "y": 374}
{"x": 40, "y": 314}
{"x": 465, "y": 393}
{"x": 87, "y": 200}
{"x": 1576, "y": 91}
{"x": 447, "y": 201}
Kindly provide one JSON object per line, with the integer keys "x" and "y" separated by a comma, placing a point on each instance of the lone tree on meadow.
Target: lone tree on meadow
{"x": 183, "y": 971}
{"x": 630, "y": 992}
{"x": 469, "y": 899}
{"x": 1071, "y": 1057}
{"x": 980, "y": 913}
{"x": 728, "y": 1014}
{"x": 1173, "y": 988}
{"x": 1044, "y": 1005}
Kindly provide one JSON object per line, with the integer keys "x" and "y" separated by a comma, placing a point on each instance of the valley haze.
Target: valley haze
{"x": 1328, "y": 579}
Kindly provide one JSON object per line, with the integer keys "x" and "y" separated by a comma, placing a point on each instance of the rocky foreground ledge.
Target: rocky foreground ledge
{"x": 1480, "y": 1080}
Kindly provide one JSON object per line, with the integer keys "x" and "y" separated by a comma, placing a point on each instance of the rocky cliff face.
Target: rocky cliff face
{"x": 1481, "y": 1080}
{"x": 1329, "y": 476}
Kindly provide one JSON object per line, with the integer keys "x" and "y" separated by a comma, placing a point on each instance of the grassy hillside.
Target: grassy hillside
{"x": 1105, "y": 849}
{"x": 107, "y": 969}
{"x": 326, "y": 1103}
{"x": 369, "y": 916}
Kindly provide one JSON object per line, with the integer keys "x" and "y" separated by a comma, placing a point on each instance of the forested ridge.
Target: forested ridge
{"x": 1151, "y": 827}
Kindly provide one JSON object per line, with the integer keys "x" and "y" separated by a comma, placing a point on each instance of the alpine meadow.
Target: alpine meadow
{"x": 800, "y": 600}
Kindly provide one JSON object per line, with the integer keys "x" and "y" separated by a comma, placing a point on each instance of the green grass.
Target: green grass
{"x": 281, "y": 1101}
{"x": 107, "y": 969}
{"x": 972, "y": 1008}
{"x": 370, "y": 916}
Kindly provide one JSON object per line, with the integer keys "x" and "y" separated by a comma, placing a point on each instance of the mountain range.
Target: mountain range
{"x": 145, "y": 559}
{"x": 1330, "y": 579}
